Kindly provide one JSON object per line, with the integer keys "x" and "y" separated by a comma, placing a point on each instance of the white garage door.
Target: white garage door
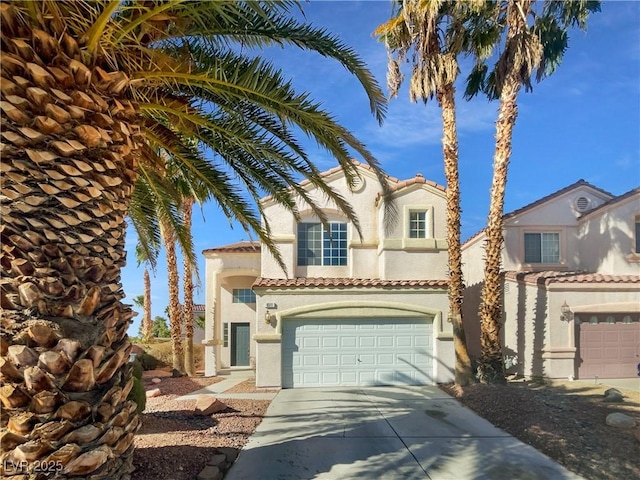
{"x": 357, "y": 352}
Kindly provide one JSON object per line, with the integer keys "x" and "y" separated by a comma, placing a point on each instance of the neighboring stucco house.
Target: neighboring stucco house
{"x": 352, "y": 310}
{"x": 571, "y": 264}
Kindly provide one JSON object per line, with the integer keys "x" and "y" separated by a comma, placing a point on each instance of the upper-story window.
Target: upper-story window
{"x": 542, "y": 247}
{"x": 244, "y": 295}
{"x": 638, "y": 234}
{"x": 319, "y": 246}
{"x": 418, "y": 224}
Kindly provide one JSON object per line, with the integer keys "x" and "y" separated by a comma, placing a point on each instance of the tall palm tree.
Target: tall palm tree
{"x": 148, "y": 257}
{"x": 187, "y": 292}
{"x": 537, "y": 47}
{"x": 91, "y": 91}
{"x": 435, "y": 33}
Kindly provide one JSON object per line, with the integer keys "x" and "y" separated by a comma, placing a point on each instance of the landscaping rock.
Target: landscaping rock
{"x": 229, "y": 452}
{"x": 156, "y": 380}
{"x": 154, "y": 393}
{"x": 636, "y": 434}
{"x": 208, "y": 405}
{"x": 219, "y": 460}
{"x": 620, "y": 420}
{"x": 210, "y": 473}
{"x": 613, "y": 395}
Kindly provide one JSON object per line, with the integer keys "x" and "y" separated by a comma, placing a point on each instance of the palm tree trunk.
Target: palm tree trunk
{"x": 446, "y": 97}
{"x": 189, "y": 363}
{"x": 175, "y": 311}
{"x": 147, "y": 323}
{"x": 491, "y": 364}
{"x": 64, "y": 346}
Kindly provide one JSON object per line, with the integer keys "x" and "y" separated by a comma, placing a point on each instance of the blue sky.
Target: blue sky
{"x": 582, "y": 122}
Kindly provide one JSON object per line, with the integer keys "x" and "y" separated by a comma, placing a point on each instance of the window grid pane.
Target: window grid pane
{"x": 334, "y": 250}
{"x": 637, "y": 236}
{"x": 316, "y": 246}
{"x": 225, "y": 334}
{"x": 542, "y": 248}
{"x": 550, "y": 248}
{"x": 243, "y": 295}
{"x": 417, "y": 224}
{"x": 309, "y": 244}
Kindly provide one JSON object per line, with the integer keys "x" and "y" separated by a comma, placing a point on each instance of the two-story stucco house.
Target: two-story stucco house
{"x": 351, "y": 310}
{"x": 571, "y": 265}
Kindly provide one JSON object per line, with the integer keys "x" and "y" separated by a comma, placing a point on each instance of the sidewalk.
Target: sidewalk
{"x": 232, "y": 378}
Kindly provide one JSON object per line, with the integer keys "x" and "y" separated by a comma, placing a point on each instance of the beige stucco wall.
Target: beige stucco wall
{"x": 534, "y": 330}
{"x": 225, "y": 271}
{"x": 608, "y": 239}
{"x": 347, "y": 302}
{"x": 383, "y": 250}
{"x": 533, "y": 333}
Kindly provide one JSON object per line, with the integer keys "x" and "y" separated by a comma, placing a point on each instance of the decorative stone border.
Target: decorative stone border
{"x": 219, "y": 463}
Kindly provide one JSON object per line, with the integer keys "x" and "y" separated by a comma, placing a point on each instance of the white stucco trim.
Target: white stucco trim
{"x": 620, "y": 307}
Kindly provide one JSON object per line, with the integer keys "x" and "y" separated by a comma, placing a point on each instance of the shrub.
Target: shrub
{"x": 138, "y": 394}
{"x": 162, "y": 352}
{"x": 148, "y": 362}
{"x": 137, "y": 369}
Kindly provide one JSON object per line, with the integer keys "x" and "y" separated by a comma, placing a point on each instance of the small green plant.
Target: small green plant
{"x": 148, "y": 361}
{"x": 137, "y": 369}
{"x": 138, "y": 394}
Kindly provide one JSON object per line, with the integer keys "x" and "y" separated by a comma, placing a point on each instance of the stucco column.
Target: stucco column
{"x": 210, "y": 334}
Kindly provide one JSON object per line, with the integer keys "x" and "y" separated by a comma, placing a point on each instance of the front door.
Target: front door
{"x": 239, "y": 344}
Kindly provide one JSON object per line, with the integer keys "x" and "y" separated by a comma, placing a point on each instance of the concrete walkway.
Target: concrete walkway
{"x": 384, "y": 433}
{"x": 632, "y": 384}
{"x": 232, "y": 378}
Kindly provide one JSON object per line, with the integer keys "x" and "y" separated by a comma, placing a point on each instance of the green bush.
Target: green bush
{"x": 137, "y": 369}
{"x": 138, "y": 394}
{"x": 148, "y": 361}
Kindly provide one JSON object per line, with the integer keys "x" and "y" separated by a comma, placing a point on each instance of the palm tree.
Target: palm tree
{"x": 436, "y": 33}
{"x": 92, "y": 91}
{"x": 148, "y": 256}
{"x": 187, "y": 292}
{"x": 538, "y": 47}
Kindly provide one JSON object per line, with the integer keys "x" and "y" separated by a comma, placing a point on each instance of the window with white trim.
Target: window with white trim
{"x": 542, "y": 247}
{"x": 417, "y": 224}
{"x": 244, "y": 295}
{"x": 319, "y": 246}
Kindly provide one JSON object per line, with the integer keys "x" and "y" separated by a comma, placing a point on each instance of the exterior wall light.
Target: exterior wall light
{"x": 565, "y": 312}
{"x": 268, "y": 317}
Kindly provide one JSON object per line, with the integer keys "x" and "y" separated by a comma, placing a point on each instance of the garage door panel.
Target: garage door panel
{"x": 608, "y": 350}
{"x": 348, "y": 342}
{"x": 367, "y": 342}
{"x": 378, "y": 352}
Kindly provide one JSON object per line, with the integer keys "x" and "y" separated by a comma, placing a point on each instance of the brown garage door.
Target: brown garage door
{"x": 609, "y": 346}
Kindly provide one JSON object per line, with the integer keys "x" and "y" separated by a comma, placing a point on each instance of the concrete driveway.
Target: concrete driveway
{"x": 383, "y": 433}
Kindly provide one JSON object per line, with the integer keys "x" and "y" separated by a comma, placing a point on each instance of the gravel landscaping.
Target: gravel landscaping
{"x": 565, "y": 420}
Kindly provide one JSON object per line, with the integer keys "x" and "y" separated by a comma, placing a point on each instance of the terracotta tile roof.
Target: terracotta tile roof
{"x": 548, "y": 277}
{"x": 308, "y": 282}
{"x": 198, "y": 308}
{"x": 614, "y": 200}
{"x": 417, "y": 180}
{"x": 240, "y": 247}
{"x": 542, "y": 200}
